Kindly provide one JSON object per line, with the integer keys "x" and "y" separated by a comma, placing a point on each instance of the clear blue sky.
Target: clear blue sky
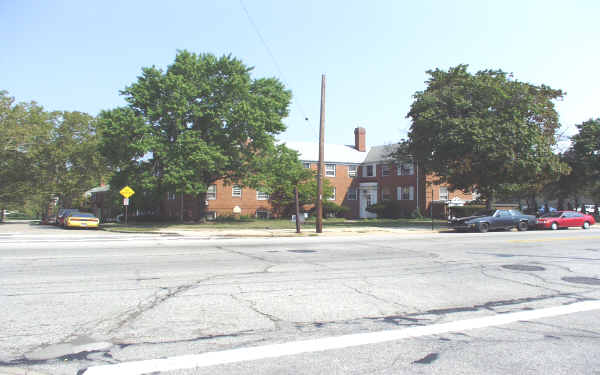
{"x": 77, "y": 55}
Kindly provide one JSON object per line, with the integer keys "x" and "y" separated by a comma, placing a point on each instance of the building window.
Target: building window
{"x": 406, "y": 169}
{"x": 211, "y": 192}
{"x": 351, "y": 195}
{"x": 210, "y": 215}
{"x": 332, "y": 197}
{"x": 406, "y": 193}
{"x": 306, "y": 165}
{"x": 443, "y": 193}
{"x": 236, "y": 191}
{"x": 330, "y": 170}
{"x": 262, "y": 214}
{"x": 171, "y": 196}
{"x": 352, "y": 170}
{"x": 261, "y": 196}
{"x": 368, "y": 169}
{"x": 385, "y": 170}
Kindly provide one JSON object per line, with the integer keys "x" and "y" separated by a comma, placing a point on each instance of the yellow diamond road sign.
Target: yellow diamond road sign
{"x": 127, "y": 192}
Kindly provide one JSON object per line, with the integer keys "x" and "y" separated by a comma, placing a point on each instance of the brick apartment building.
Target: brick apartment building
{"x": 360, "y": 177}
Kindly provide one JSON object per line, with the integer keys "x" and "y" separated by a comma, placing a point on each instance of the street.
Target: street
{"x": 82, "y": 302}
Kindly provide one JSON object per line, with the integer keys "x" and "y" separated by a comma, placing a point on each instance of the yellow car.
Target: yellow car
{"x": 82, "y": 220}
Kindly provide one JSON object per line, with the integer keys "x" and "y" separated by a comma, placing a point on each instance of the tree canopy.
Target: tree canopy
{"x": 485, "y": 130}
{"x": 203, "y": 119}
{"x": 46, "y": 155}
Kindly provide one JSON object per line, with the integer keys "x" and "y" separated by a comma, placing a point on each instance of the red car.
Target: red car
{"x": 565, "y": 219}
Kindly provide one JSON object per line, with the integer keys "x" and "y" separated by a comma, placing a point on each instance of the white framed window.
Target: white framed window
{"x": 261, "y": 196}
{"x": 352, "y": 170}
{"x": 330, "y": 170}
{"x": 406, "y": 193}
{"x": 171, "y": 196}
{"x": 332, "y": 197}
{"x": 369, "y": 170}
{"x": 306, "y": 165}
{"x": 385, "y": 170}
{"x": 236, "y": 191}
{"x": 210, "y": 215}
{"x": 351, "y": 194}
{"x": 406, "y": 169}
{"x": 211, "y": 192}
{"x": 443, "y": 193}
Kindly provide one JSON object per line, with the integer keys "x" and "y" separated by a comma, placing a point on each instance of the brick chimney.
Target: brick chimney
{"x": 360, "y": 136}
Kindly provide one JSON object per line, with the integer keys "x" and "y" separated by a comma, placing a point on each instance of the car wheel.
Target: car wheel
{"x": 483, "y": 227}
{"x": 586, "y": 225}
{"x": 554, "y": 226}
{"x": 522, "y": 226}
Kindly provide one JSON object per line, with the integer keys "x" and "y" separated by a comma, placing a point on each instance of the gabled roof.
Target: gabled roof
{"x": 380, "y": 153}
{"x": 309, "y": 151}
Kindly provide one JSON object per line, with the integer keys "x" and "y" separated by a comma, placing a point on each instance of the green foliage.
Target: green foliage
{"x": 585, "y": 156}
{"x": 332, "y": 209}
{"x": 485, "y": 130}
{"x": 44, "y": 155}
{"x": 203, "y": 119}
{"x": 391, "y": 209}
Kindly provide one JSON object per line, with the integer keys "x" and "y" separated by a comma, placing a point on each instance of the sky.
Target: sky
{"x": 78, "y": 55}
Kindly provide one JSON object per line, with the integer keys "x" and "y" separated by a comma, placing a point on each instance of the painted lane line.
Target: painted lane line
{"x": 329, "y": 343}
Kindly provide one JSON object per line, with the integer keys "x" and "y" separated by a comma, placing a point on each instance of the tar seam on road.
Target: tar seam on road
{"x": 330, "y": 343}
{"x": 556, "y": 239}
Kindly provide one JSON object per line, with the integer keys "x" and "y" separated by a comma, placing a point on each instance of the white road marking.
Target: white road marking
{"x": 329, "y": 343}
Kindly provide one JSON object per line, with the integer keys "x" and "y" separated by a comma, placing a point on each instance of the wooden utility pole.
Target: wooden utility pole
{"x": 319, "y": 228}
{"x": 297, "y": 209}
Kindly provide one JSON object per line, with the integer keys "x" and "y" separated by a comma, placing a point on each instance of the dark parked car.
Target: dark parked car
{"x": 493, "y": 219}
{"x": 62, "y": 215}
{"x": 565, "y": 219}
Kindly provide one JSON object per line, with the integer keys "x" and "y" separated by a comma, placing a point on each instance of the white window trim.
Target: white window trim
{"x": 327, "y": 172}
{"x": 447, "y": 193}
{"x": 352, "y": 173}
{"x": 261, "y": 196}
{"x": 171, "y": 196}
{"x": 374, "y": 167}
{"x": 306, "y": 165}
{"x": 352, "y": 197}
{"x": 211, "y": 195}
{"x": 401, "y": 167}
{"x": 233, "y": 191}
{"x": 332, "y": 198}
{"x": 411, "y": 193}
{"x": 385, "y": 168}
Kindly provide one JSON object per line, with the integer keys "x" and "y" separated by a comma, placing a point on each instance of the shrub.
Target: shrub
{"x": 390, "y": 210}
{"x": 331, "y": 209}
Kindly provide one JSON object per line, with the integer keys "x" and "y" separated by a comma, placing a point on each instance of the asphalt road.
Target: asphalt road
{"x": 445, "y": 303}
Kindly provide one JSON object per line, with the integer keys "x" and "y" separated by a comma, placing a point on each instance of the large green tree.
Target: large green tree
{"x": 586, "y": 156}
{"x": 203, "y": 119}
{"x": 485, "y": 130}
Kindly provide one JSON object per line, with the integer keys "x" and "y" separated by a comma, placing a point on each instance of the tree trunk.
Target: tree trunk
{"x": 561, "y": 203}
{"x": 181, "y": 208}
{"x": 202, "y": 205}
{"x": 490, "y": 200}
{"x": 297, "y": 210}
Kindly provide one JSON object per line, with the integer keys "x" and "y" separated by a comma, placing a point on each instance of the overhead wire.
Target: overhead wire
{"x": 279, "y": 70}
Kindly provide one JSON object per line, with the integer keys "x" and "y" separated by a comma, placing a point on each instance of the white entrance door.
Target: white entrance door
{"x": 368, "y": 196}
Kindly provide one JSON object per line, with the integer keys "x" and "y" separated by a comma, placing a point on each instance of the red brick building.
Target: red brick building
{"x": 360, "y": 176}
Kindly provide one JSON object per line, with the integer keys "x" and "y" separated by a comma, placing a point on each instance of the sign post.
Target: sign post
{"x": 126, "y": 192}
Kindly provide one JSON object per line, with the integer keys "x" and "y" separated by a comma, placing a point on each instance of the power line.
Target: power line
{"x": 272, "y": 56}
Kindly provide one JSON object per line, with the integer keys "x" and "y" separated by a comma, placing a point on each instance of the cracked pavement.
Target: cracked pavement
{"x": 70, "y": 305}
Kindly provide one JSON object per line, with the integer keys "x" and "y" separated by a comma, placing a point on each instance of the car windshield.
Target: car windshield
{"x": 552, "y": 214}
{"x": 82, "y": 214}
{"x": 485, "y": 213}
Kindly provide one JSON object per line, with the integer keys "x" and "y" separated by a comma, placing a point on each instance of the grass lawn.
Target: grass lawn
{"x": 278, "y": 224}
